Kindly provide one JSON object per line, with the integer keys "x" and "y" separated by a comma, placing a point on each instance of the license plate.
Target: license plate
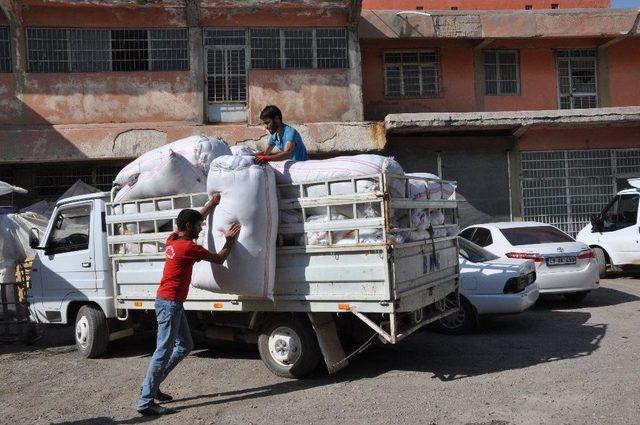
{"x": 561, "y": 261}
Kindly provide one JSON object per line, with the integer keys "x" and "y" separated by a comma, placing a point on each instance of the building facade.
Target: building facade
{"x": 532, "y": 106}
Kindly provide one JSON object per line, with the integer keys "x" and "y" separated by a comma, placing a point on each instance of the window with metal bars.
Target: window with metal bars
{"x": 52, "y": 181}
{"x": 412, "y": 74}
{"x": 298, "y": 48}
{"x": 99, "y": 50}
{"x": 501, "y": 72}
{"x": 577, "y": 79}
{"x": 5, "y": 50}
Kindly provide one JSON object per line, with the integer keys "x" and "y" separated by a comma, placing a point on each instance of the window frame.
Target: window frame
{"x": 68, "y": 63}
{"x": 615, "y": 202}
{"x": 488, "y": 237}
{"x": 402, "y": 96}
{"x": 497, "y": 65}
{"x": 282, "y": 48}
{"x": 53, "y": 251}
{"x": 9, "y": 58}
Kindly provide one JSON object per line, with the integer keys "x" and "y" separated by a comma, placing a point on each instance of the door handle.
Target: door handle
{"x": 86, "y": 264}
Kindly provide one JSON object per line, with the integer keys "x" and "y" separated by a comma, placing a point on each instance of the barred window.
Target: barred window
{"x": 298, "y": 48}
{"x": 99, "y": 50}
{"x": 5, "y": 50}
{"x": 501, "y": 72}
{"x": 412, "y": 74}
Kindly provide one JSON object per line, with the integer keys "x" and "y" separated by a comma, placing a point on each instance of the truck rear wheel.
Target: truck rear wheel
{"x": 289, "y": 347}
{"x": 91, "y": 332}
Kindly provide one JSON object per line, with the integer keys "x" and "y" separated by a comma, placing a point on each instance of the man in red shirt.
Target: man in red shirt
{"x": 174, "y": 336}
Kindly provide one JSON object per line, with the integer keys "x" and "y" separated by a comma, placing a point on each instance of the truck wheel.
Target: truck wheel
{"x": 289, "y": 347}
{"x": 92, "y": 332}
{"x": 460, "y": 323}
{"x": 601, "y": 258}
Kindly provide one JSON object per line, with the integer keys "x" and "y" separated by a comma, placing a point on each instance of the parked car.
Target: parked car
{"x": 563, "y": 266}
{"x": 489, "y": 285}
{"x": 614, "y": 234}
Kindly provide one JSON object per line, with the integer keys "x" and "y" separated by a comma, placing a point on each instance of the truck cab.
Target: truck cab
{"x": 615, "y": 232}
{"x": 71, "y": 273}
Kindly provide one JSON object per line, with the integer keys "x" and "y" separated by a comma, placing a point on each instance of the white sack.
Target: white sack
{"x": 421, "y": 189}
{"x": 248, "y": 196}
{"x": 14, "y": 241}
{"x": 173, "y": 176}
{"x": 243, "y": 150}
{"x": 337, "y": 168}
{"x": 198, "y": 150}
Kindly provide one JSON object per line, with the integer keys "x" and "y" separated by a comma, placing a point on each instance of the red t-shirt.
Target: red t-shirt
{"x": 181, "y": 254}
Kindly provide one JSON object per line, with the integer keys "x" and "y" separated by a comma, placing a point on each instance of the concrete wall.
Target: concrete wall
{"x": 481, "y": 4}
{"x": 538, "y": 75}
{"x": 580, "y": 138}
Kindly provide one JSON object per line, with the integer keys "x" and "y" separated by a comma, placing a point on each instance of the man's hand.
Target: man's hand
{"x": 208, "y": 207}
{"x": 262, "y": 159}
{"x": 233, "y": 232}
{"x": 215, "y": 198}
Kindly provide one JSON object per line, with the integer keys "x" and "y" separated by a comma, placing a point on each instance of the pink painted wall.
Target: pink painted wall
{"x": 9, "y": 105}
{"x": 481, "y": 4}
{"x": 457, "y": 86}
{"x": 624, "y": 73}
{"x": 580, "y": 138}
{"x": 303, "y": 95}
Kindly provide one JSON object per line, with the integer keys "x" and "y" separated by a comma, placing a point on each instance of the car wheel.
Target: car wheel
{"x": 91, "y": 332}
{"x": 576, "y": 297}
{"x": 460, "y": 323}
{"x": 601, "y": 258}
{"x": 289, "y": 347}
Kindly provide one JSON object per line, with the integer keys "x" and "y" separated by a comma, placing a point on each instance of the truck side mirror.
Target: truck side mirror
{"x": 597, "y": 225}
{"x": 34, "y": 238}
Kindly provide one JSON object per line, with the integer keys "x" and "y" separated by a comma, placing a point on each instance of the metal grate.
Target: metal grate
{"x": 99, "y": 50}
{"x": 564, "y": 188}
{"x": 501, "y": 70}
{"x": 225, "y": 37}
{"x": 52, "y": 181}
{"x": 300, "y": 48}
{"x": 412, "y": 74}
{"x": 577, "y": 80}
{"x": 5, "y": 50}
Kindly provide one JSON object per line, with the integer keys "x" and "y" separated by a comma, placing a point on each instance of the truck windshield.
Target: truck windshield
{"x": 472, "y": 252}
{"x": 621, "y": 213}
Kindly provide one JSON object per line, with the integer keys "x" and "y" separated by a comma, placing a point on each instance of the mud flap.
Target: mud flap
{"x": 330, "y": 345}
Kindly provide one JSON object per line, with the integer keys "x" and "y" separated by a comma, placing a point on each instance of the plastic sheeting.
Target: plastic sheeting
{"x": 14, "y": 241}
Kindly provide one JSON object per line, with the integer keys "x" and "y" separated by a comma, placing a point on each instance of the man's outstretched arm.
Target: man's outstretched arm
{"x": 221, "y": 256}
{"x": 211, "y": 203}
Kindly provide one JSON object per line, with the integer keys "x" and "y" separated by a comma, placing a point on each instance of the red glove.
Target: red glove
{"x": 263, "y": 159}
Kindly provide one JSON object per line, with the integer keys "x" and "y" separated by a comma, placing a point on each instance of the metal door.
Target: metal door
{"x": 577, "y": 80}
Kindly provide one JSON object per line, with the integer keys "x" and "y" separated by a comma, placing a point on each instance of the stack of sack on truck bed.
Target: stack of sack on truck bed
{"x": 249, "y": 195}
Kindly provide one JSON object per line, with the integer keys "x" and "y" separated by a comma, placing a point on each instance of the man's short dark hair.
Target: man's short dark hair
{"x": 188, "y": 216}
{"x": 270, "y": 111}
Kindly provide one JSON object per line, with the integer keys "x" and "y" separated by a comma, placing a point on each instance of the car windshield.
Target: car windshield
{"x": 535, "y": 235}
{"x": 472, "y": 252}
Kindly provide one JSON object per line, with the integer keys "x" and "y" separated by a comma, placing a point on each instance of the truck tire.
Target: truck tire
{"x": 601, "y": 258}
{"x": 460, "y": 323}
{"x": 289, "y": 347}
{"x": 91, "y": 332}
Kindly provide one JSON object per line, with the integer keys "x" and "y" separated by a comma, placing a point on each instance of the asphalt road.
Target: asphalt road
{"x": 554, "y": 364}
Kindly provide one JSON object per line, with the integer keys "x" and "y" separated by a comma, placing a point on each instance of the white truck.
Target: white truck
{"x": 614, "y": 234}
{"x": 90, "y": 272}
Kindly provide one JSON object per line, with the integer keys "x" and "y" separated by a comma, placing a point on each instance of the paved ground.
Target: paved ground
{"x": 554, "y": 364}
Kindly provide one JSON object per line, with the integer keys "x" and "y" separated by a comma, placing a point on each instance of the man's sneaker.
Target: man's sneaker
{"x": 162, "y": 397}
{"x": 156, "y": 410}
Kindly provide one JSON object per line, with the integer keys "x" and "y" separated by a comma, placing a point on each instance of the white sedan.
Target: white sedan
{"x": 563, "y": 266}
{"x": 489, "y": 285}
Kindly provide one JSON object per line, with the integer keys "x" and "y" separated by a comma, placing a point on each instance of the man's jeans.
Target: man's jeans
{"x": 173, "y": 344}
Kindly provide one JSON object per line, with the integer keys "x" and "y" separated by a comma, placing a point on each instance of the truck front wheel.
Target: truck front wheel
{"x": 91, "y": 332}
{"x": 289, "y": 347}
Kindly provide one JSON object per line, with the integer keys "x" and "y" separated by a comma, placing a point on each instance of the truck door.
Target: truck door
{"x": 68, "y": 268}
{"x": 621, "y": 231}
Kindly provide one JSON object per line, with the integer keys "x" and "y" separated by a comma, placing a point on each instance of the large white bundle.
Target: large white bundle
{"x": 14, "y": 241}
{"x": 243, "y": 150}
{"x": 338, "y": 168}
{"x": 198, "y": 150}
{"x": 248, "y": 196}
{"x": 173, "y": 176}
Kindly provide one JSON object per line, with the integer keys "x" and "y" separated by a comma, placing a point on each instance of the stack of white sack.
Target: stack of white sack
{"x": 248, "y": 196}
{"x": 14, "y": 241}
{"x": 339, "y": 168}
{"x": 199, "y": 151}
{"x": 419, "y": 188}
{"x": 240, "y": 150}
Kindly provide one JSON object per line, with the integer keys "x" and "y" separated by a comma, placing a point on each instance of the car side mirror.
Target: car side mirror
{"x": 597, "y": 225}
{"x": 34, "y": 238}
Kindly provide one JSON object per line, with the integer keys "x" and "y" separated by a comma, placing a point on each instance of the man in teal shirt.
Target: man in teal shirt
{"x": 284, "y": 137}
